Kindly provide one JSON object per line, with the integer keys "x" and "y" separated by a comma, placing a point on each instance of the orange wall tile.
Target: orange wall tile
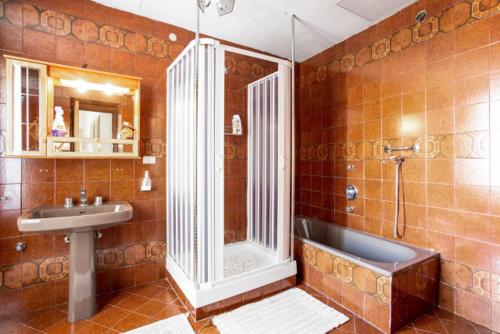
{"x": 134, "y": 250}
{"x": 436, "y": 84}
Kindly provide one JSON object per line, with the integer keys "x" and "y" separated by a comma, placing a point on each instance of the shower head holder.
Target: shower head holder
{"x": 389, "y": 149}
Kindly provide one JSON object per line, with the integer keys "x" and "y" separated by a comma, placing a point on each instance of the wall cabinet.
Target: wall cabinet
{"x": 67, "y": 112}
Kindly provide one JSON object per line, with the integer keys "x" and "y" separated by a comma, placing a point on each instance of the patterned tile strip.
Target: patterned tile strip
{"x": 61, "y": 24}
{"x": 28, "y": 273}
{"x": 449, "y": 20}
{"x": 361, "y": 278}
{"x": 470, "y": 145}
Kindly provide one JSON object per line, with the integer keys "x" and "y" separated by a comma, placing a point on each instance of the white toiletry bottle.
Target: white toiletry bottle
{"x": 236, "y": 123}
{"x": 146, "y": 183}
{"x": 58, "y": 126}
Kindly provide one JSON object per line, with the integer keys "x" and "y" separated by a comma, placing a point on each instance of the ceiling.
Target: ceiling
{"x": 265, "y": 24}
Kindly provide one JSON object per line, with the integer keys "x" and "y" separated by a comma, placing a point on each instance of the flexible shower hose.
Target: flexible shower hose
{"x": 396, "y": 211}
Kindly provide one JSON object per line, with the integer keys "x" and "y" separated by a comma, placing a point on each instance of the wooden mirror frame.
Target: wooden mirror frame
{"x": 52, "y": 76}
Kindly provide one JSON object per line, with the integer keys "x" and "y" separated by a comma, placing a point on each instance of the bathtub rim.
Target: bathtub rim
{"x": 385, "y": 269}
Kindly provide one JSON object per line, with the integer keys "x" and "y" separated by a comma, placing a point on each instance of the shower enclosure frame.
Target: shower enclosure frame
{"x": 202, "y": 280}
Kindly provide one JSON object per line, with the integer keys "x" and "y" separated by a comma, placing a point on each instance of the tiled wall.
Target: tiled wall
{"x": 435, "y": 83}
{"x": 82, "y": 32}
{"x": 241, "y": 71}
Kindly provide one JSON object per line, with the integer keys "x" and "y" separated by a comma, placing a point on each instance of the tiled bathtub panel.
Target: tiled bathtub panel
{"x": 414, "y": 292}
{"x": 345, "y": 271}
{"x": 359, "y": 289}
{"x": 387, "y": 303}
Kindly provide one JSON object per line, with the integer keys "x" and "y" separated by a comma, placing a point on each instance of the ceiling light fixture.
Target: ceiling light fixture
{"x": 83, "y": 86}
{"x": 223, "y": 6}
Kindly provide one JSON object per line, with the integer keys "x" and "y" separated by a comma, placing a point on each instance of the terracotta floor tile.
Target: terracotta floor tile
{"x": 114, "y": 298}
{"x": 40, "y": 320}
{"x": 208, "y": 330}
{"x": 429, "y": 323}
{"x": 407, "y": 330}
{"x": 198, "y": 326}
{"x": 109, "y": 316}
{"x": 481, "y": 329}
{"x": 167, "y": 296}
{"x": 80, "y": 327}
{"x": 131, "y": 321}
{"x": 128, "y": 309}
{"x": 164, "y": 283}
{"x": 170, "y": 310}
{"x": 63, "y": 308}
{"x": 87, "y": 327}
{"x": 61, "y": 327}
{"x": 132, "y": 302}
{"x": 151, "y": 308}
{"x": 147, "y": 290}
{"x": 454, "y": 327}
{"x": 9, "y": 326}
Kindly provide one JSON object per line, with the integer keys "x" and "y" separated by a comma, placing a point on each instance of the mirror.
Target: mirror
{"x": 92, "y": 115}
{"x": 61, "y": 111}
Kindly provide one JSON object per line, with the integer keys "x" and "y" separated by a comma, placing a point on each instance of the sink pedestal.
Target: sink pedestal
{"x": 82, "y": 271}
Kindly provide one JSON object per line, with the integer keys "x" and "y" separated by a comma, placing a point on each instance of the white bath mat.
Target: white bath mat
{"x": 177, "y": 324}
{"x": 291, "y": 311}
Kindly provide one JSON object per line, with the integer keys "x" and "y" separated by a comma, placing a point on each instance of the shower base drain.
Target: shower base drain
{"x": 239, "y": 263}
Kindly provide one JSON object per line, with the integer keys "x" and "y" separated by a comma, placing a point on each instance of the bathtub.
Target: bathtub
{"x": 386, "y": 283}
{"x": 384, "y": 256}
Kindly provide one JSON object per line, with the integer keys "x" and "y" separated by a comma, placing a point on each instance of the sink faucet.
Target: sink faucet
{"x": 83, "y": 197}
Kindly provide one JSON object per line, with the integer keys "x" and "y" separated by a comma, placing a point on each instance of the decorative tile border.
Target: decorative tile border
{"x": 446, "y": 21}
{"x": 466, "y": 145}
{"x": 52, "y": 269}
{"x": 155, "y": 250}
{"x": 28, "y": 273}
{"x": 234, "y": 151}
{"x": 476, "y": 281}
{"x": 343, "y": 270}
{"x": 61, "y": 24}
{"x": 156, "y": 147}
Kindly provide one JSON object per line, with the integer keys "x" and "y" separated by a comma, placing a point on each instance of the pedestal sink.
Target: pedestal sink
{"x": 80, "y": 223}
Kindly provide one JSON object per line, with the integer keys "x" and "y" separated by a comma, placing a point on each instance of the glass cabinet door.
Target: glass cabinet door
{"x": 26, "y": 108}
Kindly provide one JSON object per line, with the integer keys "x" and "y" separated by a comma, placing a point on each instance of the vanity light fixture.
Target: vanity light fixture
{"x": 83, "y": 86}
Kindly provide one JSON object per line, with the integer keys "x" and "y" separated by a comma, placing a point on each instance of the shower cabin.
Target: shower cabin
{"x": 228, "y": 171}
